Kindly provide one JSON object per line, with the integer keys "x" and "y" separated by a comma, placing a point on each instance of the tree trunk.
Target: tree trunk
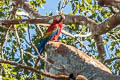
{"x": 76, "y": 62}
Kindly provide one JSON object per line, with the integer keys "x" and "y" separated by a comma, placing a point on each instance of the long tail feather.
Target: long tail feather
{"x": 41, "y": 49}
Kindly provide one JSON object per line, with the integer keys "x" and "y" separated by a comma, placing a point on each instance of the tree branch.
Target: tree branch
{"x": 109, "y": 3}
{"x": 18, "y": 41}
{"x": 107, "y": 25}
{"x": 76, "y": 62}
{"x": 32, "y": 12}
{"x": 100, "y": 48}
{"x": 54, "y": 76}
{"x": 7, "y": 30}
{"x": 70, "y": 19}
{"x": 98, "y": 29}
{"x": 35, "y": 70}
{"x": 77, "y": 35}
{"x": 110, "y": 60}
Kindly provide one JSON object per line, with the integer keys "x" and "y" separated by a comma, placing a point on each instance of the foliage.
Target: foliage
{"x": 87, "y": 8}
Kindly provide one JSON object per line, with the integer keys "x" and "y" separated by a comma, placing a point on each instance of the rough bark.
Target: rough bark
{"x": 100, "y": 48}
{"x": 107, "y": 25}
{"x": 109, "y": 2}
{"x": 97, "y": 29}
{"x": 69, "y": 19}
{"x": 75, "y": 62}
{"x": 25, "y": 5}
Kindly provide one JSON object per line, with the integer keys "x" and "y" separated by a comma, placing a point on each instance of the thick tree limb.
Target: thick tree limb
{"x": 100, "y": 47}
{"x": 76, "y": 62}
{"x": 98, "y": 29}
{"x": 32, "y": 12}
{"x": 70, "y": 19}
{"x": 109, "y": 2}
{"x": 107, "y": 25}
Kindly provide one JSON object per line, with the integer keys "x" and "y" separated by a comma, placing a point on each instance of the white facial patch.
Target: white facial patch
{"x": 58, "y": 18}
{"x": 50, "y": 21}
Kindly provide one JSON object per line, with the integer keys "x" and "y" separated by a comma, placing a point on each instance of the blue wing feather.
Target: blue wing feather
{"x": 46, "y": 39}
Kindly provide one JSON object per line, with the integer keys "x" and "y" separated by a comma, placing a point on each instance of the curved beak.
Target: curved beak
{"x": 63, "y": 16}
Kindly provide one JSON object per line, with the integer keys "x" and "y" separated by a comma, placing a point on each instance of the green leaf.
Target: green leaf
{"x": 76, "y": 9}
{"x": 118, "y": 54}
{"x": 7, "y": 48}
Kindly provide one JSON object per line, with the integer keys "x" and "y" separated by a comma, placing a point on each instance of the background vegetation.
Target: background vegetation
{"x": 15, "y": 43}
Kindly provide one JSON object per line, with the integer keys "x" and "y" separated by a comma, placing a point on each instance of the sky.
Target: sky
{"x": 51, "y": 6}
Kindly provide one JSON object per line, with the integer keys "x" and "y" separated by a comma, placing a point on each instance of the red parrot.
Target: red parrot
{"x": 52, "y": 33}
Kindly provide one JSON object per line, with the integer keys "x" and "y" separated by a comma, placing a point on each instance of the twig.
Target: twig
{"x": 67, "y": 33}
{"x": 3, "y": 40}
{"x": 26, "y": 41}
{"x": 18, "y": 41}
{"x": 35, "y": 70}
{"x": 2, "y": 33}
{"x": 30, "y": 54}
{"x": 40, "y": 31}
{"x": 7, "y": 30}
{"x": 76, "y": 35}
{"x": 23, "y": 14}
{"x": 110, "y": 60}
{"x": 64, "y": 5}
{"x": 4, "y": 36}
{"x": 83, "y": 45}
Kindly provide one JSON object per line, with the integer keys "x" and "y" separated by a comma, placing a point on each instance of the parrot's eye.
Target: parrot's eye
{"x": 59, "y": 18}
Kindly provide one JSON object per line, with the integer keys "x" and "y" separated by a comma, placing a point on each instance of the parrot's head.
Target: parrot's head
{"x": 57, "y": 19}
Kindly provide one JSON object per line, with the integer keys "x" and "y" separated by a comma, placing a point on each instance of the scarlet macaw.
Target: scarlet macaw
{"x": 52, "y": 33}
